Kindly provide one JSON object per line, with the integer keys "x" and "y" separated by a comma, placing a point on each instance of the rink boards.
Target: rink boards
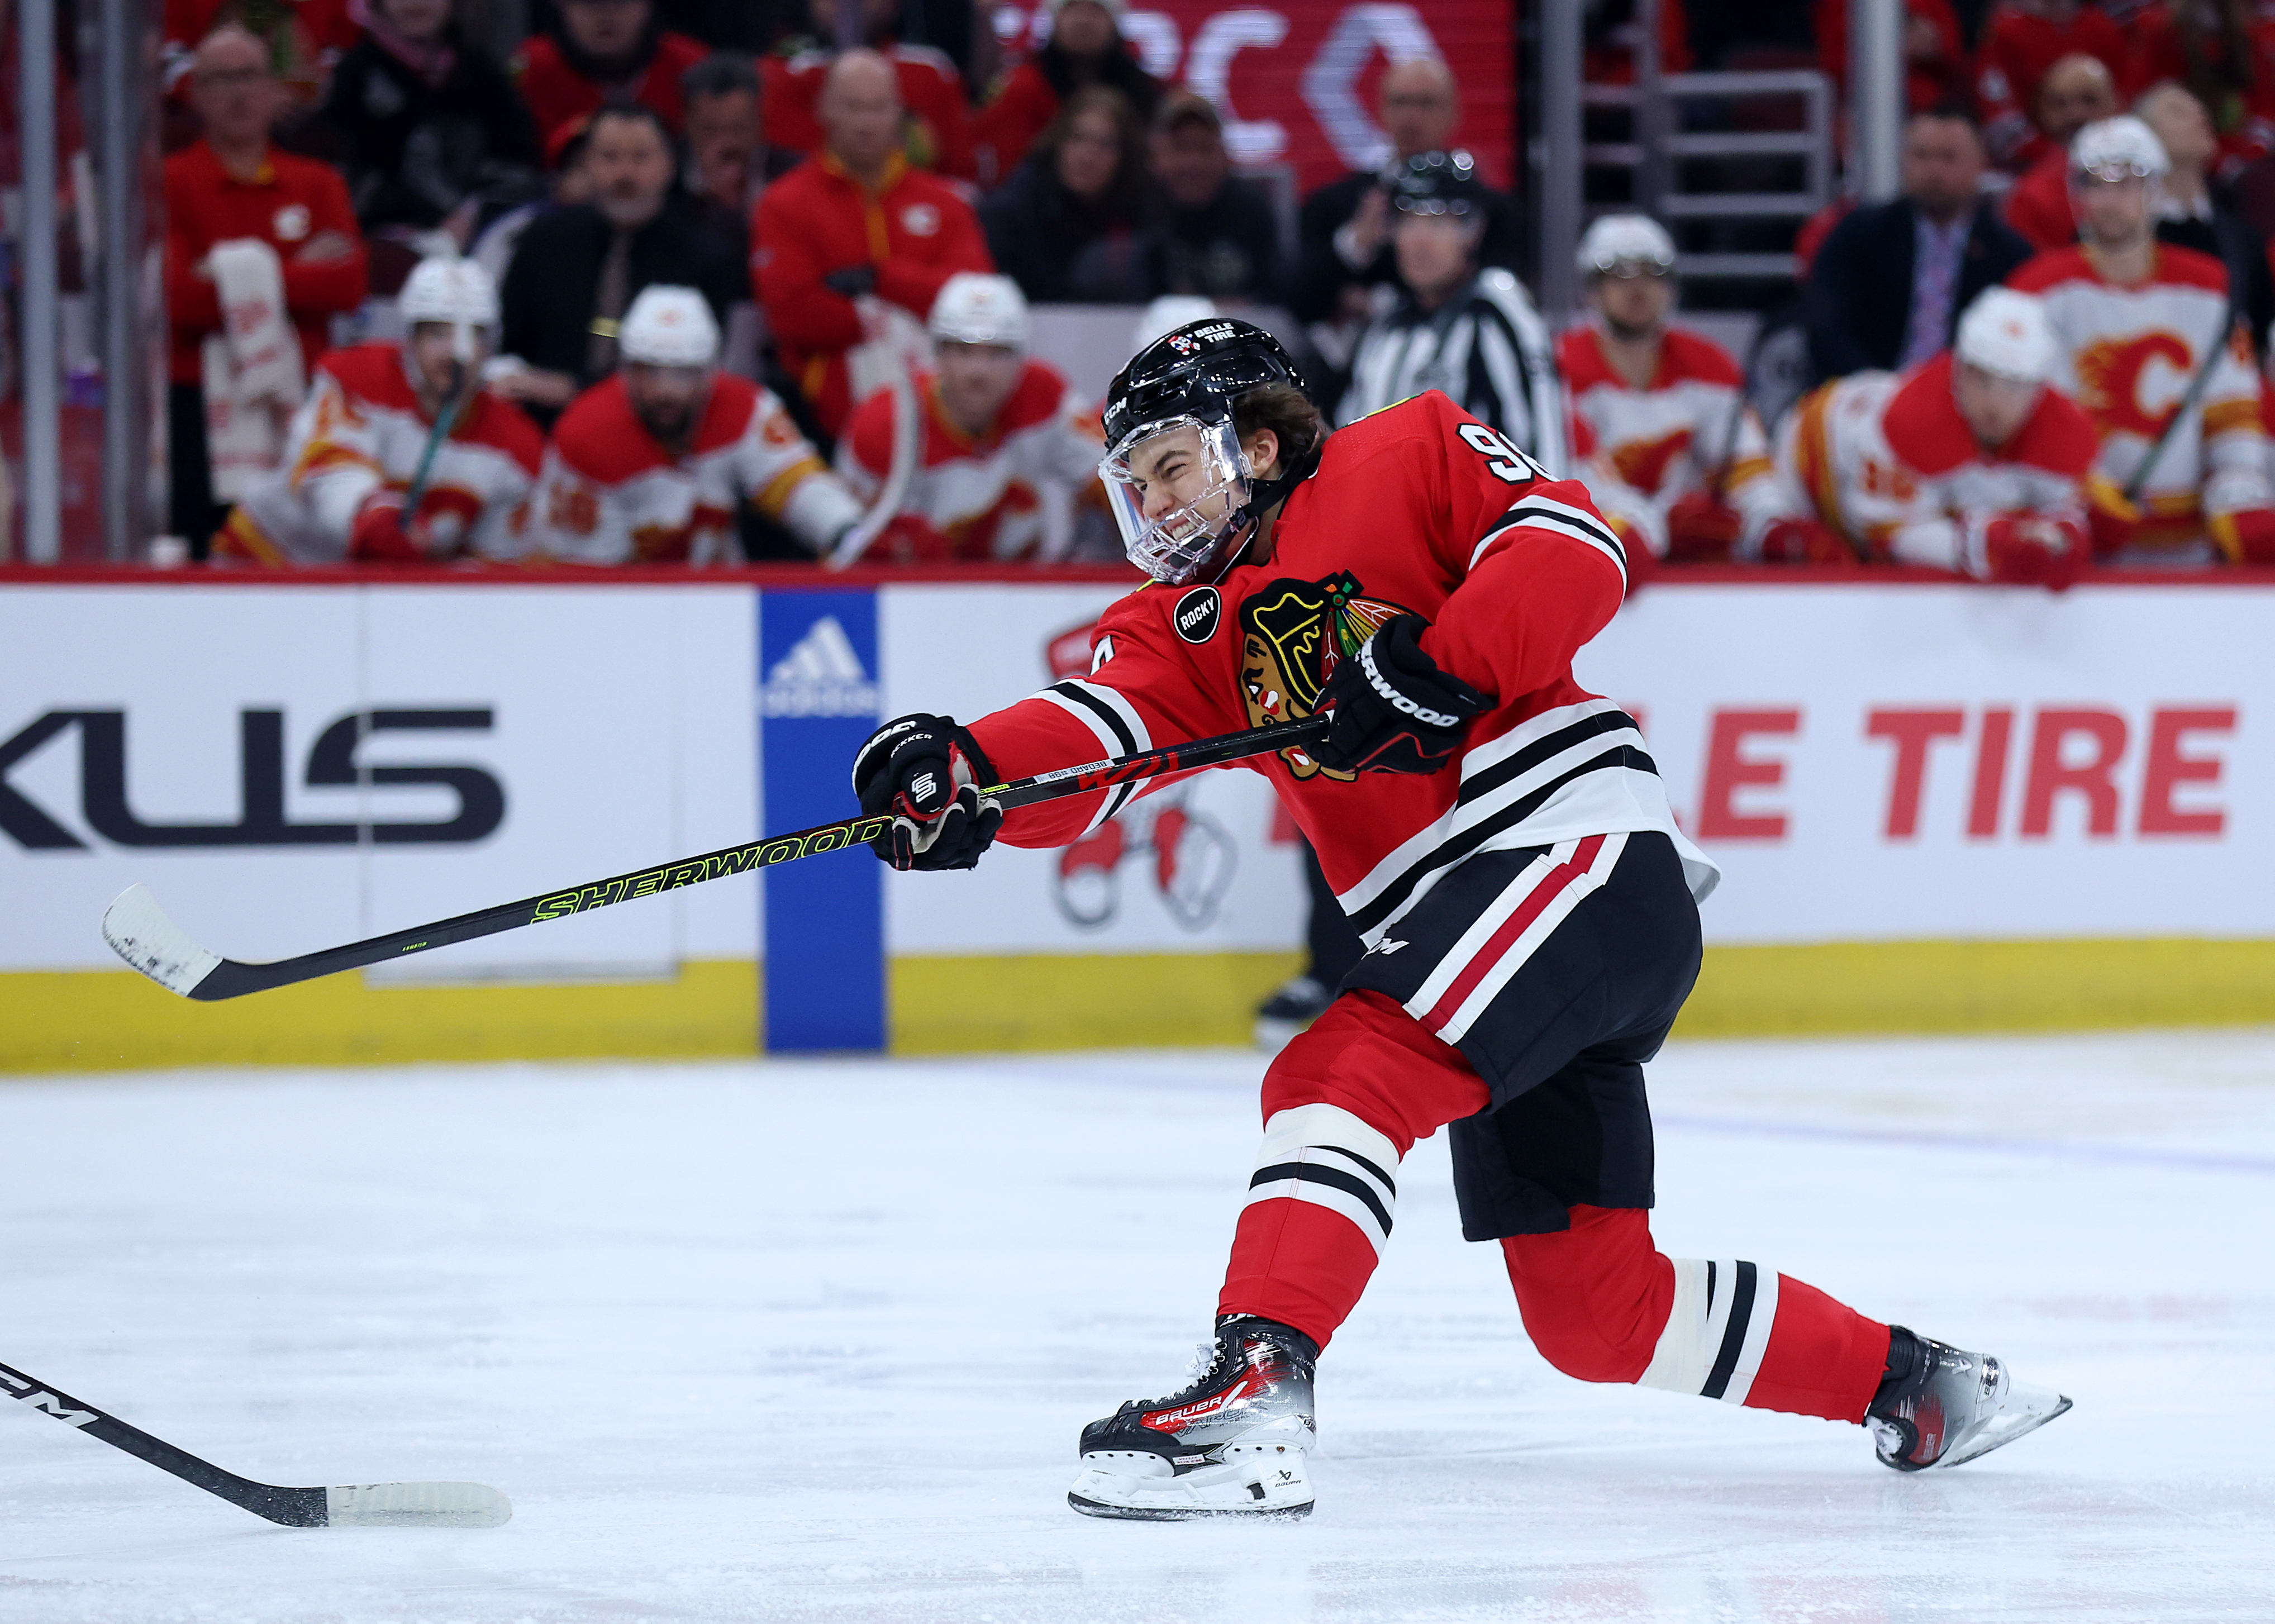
{"x": 1937, "y": 807}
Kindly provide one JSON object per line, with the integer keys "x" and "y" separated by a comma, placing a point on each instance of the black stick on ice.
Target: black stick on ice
{"x": 139, "y": 931}
{"x": 365, "y": 1505}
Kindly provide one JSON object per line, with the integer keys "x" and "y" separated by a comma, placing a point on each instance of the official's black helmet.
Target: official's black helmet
{"x": 1190, "y": 378}
{"x": 1436, "y": 183}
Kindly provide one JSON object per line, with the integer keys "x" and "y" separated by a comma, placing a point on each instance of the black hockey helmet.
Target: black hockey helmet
{"x": 1190, "y": 378}
{"x": 1436, "y": 183}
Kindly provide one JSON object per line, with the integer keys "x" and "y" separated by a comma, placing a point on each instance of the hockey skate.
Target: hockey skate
{"x": 1231, "y": 1444}
{"x": 1951, "y": 1406}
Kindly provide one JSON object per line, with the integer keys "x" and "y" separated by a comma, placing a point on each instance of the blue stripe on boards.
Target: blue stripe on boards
{"x": 824, "y": 916}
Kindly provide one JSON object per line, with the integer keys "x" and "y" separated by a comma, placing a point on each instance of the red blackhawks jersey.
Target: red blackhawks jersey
{"x": 612, "y": 494}
{"x": 1687, "y": 431}
{"x": 2128, "y": 355}
{"x": 1888, "y": 461}
{"x": 985, "y": 496}
{"x": 361, "y": 430}
{"x": 1417, "y": 509}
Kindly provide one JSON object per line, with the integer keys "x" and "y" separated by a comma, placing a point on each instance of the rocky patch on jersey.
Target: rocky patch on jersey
{"x": 1293, "y": 634}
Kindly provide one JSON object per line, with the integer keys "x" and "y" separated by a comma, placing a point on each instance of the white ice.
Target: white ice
{"x": 813, "y": 1342}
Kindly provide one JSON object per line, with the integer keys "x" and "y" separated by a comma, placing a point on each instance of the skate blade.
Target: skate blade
{"x": 1257, "y": 1484}
{"x": 2025, "y": 1411}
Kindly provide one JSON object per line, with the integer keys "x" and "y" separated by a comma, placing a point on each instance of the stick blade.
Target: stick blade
{"x": 416, "y": 1505}
{"x": 138, "y": 931}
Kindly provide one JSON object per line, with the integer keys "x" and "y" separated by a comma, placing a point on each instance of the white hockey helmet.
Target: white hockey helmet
{"x": 668, "y": 327}
{"x": 1166, "y": 315}
{"x": 2006, "y": 333}
{"x": 2119, "y": 148}
{"x": 458, "y": 292}
{"x": 1617, "y": 240}
{"x": 976, "y": 308}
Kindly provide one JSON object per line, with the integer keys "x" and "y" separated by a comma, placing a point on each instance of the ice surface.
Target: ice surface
{"x": 813, "y": 1342}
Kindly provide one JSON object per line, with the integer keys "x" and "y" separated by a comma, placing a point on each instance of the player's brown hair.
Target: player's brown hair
{"x": 1288, "y": 413}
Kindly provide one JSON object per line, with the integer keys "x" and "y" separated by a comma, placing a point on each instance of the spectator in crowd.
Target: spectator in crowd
{"x": 935, "y": 133}
{"x": 1004, "y": 443}
{"x": 1216, "y": 235}
{"x": 568, "y": 183}
{"x": 2022, "y": 40}
{"x": 261, "y": 252}
{"x": 2191, "y": 209}
{"x": 603, "y": 51}
{"x": 341, "y": 491}
{"x": 1085, "y": 48}
{"x": 1066, "y": 225}
{"x": 1967, "y": 462}
{"x": 2218, "y": 51}
{"x": 576, "y": 270}
{"x": 1936, "y": 69}
{"x": 1674, "y": 457}
{"x": 1891, "y": 279}
{"x": 429, "y": 132}
{"x": 2076, "y": 91}
{"x": 852, "y": 247}
{"x": 303, "y": 39}
{"x": 1470, "y": 332}
{"x": 1346, "y": 223}
{"x": 728, "y": 163}
{"x": 2182, "y": 470}
{"x": 653, "y": 466}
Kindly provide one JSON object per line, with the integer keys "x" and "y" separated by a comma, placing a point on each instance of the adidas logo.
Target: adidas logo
{"x": 820, "y": 676}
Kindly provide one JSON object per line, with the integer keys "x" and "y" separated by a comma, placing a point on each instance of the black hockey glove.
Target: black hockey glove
{"x": 1395, "y": 710}
{"x": 851, "y": 282}
{"x": 926, "y": 772}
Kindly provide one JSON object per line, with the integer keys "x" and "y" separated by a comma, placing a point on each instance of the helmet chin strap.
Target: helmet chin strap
{"x": 1263, "y": 496}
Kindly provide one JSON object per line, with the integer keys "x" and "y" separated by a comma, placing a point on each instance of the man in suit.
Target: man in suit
{"x": 1889, "y": 282}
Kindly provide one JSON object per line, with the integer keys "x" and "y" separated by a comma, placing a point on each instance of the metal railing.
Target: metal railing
{"x": 1656, "y": 152}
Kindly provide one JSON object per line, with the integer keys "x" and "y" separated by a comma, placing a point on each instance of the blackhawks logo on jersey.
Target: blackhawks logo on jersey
{"x": 1293, "y": 635}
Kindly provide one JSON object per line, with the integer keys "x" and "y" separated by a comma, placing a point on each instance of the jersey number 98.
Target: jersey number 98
{"x": 1506, "y": 461}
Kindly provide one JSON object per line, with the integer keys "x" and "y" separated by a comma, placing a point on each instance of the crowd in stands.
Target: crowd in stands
{"x": 663, "y": 302}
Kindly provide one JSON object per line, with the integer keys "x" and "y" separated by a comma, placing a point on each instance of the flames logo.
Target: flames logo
{"x": 1295, "y": 633}
{"x": 1643, "y": 463}
{"x": 2111, "y": 371}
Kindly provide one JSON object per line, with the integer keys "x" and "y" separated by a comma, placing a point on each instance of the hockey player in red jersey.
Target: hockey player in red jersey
{"x": 368, "y": 429}
{"x": 1501, "y": 840}
{"x": 651, "y": 465}
{"x": 1968, "y": 462}
{"x": 1003, "y": 437}
{"x": 1673, "y": 454}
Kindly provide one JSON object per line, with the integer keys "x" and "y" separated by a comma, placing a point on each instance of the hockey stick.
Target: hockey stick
{"x": 445, "y": 420}
{"x": 2197, "y": 387}
{"x": 908, "y": 447}
{"x": 363, "y": 1505}
{"x": 139, "y": 931}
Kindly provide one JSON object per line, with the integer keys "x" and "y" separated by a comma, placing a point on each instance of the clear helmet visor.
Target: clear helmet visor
{"x": 1177, "y": 488}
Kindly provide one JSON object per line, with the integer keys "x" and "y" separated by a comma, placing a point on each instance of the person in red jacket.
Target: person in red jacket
{"x": 936, "y": 133}
{"x": 232, "y": 185}
{"x": 854, "y": 246}
{"x": 602, "y": 49}
{"x": 1086, "y": 48}
{"x": 2024, "y": 39}
{"x": 2077, "y": 91}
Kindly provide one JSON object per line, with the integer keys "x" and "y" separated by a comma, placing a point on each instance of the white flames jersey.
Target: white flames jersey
{"x": 1642, "y": 449}
{"x": 613, "y": 494}
{"x": 1888, "y": 461}
{"x": 987, "y": 498}
{"x": 2127, "y": 357}
{"x": 359, "y": 431}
